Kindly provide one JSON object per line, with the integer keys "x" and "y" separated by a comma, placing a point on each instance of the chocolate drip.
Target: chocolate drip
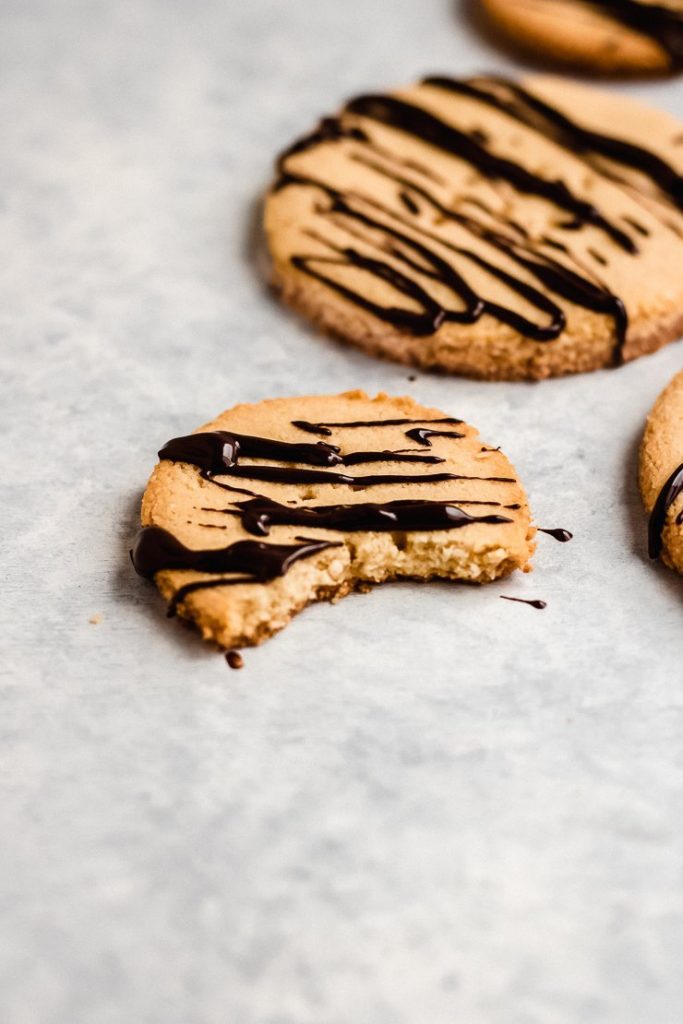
{"x": 324, "y": 428}
{"x": 217, "y": 451}
{"x": 422, "y": 435}
{"x": 330, "y": 129}
{"x": 227, "y": 487}
{"x": 408, "y": 201}
{"x": 259, "y": 514}
{"x": 283, "y": 475}
{"x": 598, "y": 257}
{"x": 513, "y": 507}
{"x": 192, "y": 588}
{"x": 419, "y": 323}
{"x": 358, "y": 458}
{"x": 662, "y": 24}
{"x": 665, "y": 499}
{"x": 637, "y": 226}
{"x": 557, "y": 534}
{"x": 234, "y": 659}
{"x": 156, "y": 549}
{"x": 522, "y": 600}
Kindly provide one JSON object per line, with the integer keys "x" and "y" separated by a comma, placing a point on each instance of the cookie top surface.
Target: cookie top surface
{"x": 487, "y": 228}
{"x": 661, "y": 474}
{"x": 608, "y": 36}
{"x": 274, "y": 505}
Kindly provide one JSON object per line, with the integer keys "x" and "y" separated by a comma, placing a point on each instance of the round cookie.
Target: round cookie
{"x": 486, "y": 228}
{"x": 606, "y": 36}
{"x": 661, "y": 475}
{"x": 275, "y": 505}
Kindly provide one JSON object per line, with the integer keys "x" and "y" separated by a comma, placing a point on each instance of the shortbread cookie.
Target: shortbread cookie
{"x": 661, "y": 475}
{"x": 485, "y": 228}
{"x": 607, "y": 36}
{"x": 275, "y": 505}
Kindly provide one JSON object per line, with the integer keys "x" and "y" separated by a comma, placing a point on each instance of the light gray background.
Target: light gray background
{"x": 423, "y": 806}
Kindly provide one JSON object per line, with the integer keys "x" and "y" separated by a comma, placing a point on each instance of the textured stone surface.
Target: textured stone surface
{"x": 424, "y": 805}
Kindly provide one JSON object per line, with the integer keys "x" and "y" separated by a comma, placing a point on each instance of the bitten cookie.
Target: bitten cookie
{"x": 275, "y": 505}
{"x": 486, "y": 228}
{"x": 661, "y": 475}
{"x": 607, "y": 36}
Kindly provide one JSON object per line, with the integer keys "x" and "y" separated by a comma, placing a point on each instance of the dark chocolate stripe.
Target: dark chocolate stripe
{"x": 155, "y": 550}
{"x": 259, "y": 514}
{"x": 665, "y": 499}
{"x": 283, "y": 475}
{"x": 324, "y": 428}
{"x": 422, "y": 435}
{"x": 660, "y": 23}
{"x": 359, "y": 458}
{"x": 217, "y": 450}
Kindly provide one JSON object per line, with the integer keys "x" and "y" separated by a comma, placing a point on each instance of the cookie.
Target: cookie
{"x": 661, "y": 475}
{"x": 606, "y": 36}
{"x": 486, "y": 228}
{"x": 273, "y": 506}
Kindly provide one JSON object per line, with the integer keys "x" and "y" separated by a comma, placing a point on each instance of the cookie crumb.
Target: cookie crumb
{"x": 234, "y": 659}
{"x": 95, "y": 620}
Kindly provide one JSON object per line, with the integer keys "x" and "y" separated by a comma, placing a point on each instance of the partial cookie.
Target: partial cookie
{"x": 607, "y": 36}
{"x": 661, "y": 475}
{"x": 275, "y": 505}
{"x": 485, "y": 228}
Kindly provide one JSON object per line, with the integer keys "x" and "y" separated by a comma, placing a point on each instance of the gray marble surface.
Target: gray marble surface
{"x": 422, "y": 806}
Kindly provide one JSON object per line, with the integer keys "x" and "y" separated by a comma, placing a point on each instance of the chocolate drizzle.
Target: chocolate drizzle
{"x": 660, "y": 23}
{"x": 219, "y": 453}
{"x": 283, "y": 475}
{"x": 523, "y": 600}
{"x": 557, "y": 534}
{"x": 216, "y": 453}
{"x": 665, "y": 499}
{"x": 520, "y": 104}
{"x": 393, "y": 242}
{"x": 234, "y": 659}
{"x": 416, "y": 121}
{"x": 422, "y": 435}
{"x": 324, "y": 429}
{"x": 156, "y": 549}
{"x": 252, "y": 561}
{"x": 259, "y": 514}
